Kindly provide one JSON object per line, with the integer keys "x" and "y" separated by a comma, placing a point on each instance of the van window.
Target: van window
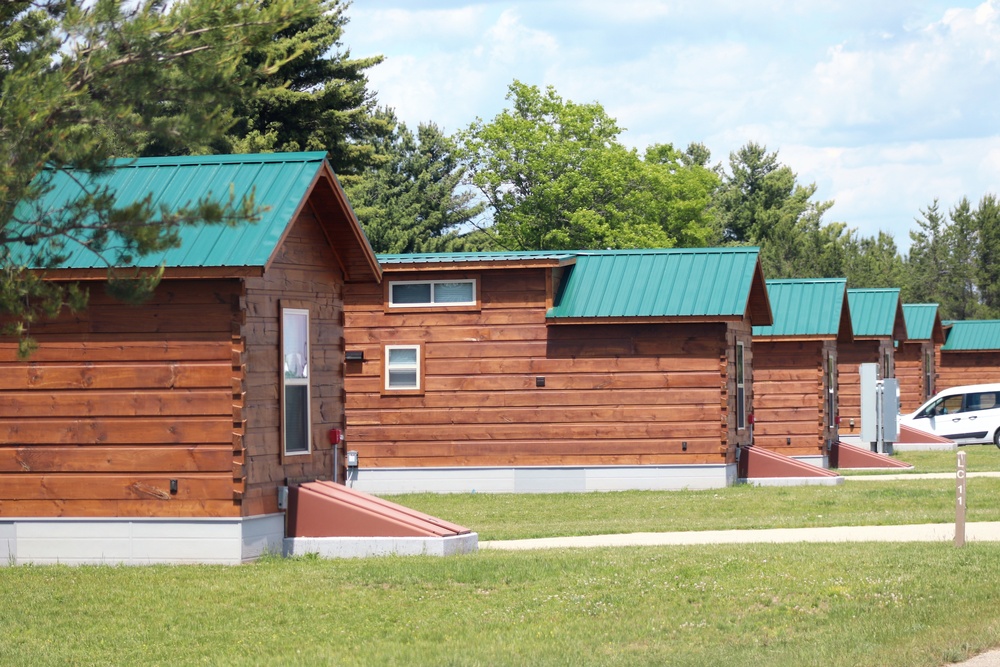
{"x": 981, "y": 401}
{"x": 948, "y": 405}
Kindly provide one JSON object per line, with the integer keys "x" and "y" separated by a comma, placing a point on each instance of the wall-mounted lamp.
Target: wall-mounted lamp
{"x": 354, "y": 355}
{"x": 540, "y": 381}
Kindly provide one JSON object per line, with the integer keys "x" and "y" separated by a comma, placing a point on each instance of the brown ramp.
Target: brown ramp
{"x": 325, "y": 509}
{"x": 843, "y": 455}
{"x": 757, "y": 463}
{"x": 908, "y": 434}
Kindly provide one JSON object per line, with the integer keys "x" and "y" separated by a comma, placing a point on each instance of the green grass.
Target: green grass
{"x": 978, "y": 458}
{"x": 769, "y": 605}
{"x": 853, "y": 503}
{"x": 826, "y": 604}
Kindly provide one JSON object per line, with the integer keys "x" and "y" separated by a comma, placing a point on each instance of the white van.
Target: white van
{"x": 967, "y": 415}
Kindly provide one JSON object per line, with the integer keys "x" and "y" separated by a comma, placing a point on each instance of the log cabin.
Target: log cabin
{"x": 970, "y": 354}
{"x": 795, "y": 368}
{"x": 162, "y": 432}
{"x": 877, "y": 320}
{"x": 552, "y": 371}
{"x": 915, "y": 358}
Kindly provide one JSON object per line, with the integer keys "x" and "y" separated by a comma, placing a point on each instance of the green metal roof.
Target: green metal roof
{"x": 972, "y": 335}
{"x": 659, "y": 283}
{"x": 470, "y": 257}
{"x": 874, "y": 311}
{"x": 805, "y": 307}
{"x": 920, "y": 320}
{"x": 278, "y": 181}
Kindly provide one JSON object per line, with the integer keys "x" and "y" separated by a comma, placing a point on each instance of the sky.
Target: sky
{"x": 886, "y": 105}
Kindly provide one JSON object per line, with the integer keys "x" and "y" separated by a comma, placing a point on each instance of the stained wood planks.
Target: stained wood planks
{"x": 119, "y": 400}
{"x": 502, "y": 387}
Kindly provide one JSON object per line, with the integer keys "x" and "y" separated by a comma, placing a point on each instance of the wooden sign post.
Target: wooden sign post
{"x": 960, "y": 501}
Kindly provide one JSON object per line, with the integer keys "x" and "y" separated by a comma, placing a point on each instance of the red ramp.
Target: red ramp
{"x": 908, "y": 434}
{"x": 325, "y": 509}
{"x": 843, "y": 455}
{"x": 757, "y": 463}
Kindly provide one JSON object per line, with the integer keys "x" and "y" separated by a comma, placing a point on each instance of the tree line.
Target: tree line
{"x": 83, "y": 81}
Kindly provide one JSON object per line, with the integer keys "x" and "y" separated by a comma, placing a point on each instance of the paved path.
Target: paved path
{"x": 986, "y": 531}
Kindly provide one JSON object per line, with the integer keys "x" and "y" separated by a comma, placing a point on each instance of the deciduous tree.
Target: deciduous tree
{"x": 554, "y": 176}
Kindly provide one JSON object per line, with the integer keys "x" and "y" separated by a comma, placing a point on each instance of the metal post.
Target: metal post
{"x": 960, "y": 501}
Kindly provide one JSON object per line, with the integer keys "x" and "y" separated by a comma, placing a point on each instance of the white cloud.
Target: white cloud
{"x": 884, "y": 105}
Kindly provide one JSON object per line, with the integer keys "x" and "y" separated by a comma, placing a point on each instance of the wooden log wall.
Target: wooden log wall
{"x": 612, "y": 394}
{"x": 910, "y": 362}
{"x": 304, "y": 274}
{"x": 849, "y": 357}
{"x": 119, "y": 400}
{"x": 960, "y": 368}
{"x": 790, "y": 396}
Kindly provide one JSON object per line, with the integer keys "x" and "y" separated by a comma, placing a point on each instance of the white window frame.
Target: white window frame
{"x": 414, "y": 367}
{"x": 433, "y": 285}
{"x": 831, "y": 393}
{"x": 741, "y": 390}
{"x": 303, "y": 381}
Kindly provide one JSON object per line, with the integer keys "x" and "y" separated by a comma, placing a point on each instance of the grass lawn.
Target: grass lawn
{"x": 978, "y": 458}
{"x": 854, "y": 503}
{"x": 781, "y": 605}
{"x": 826, "y": 604}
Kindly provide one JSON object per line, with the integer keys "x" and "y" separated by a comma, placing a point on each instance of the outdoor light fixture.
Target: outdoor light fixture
{"x": 540, "y": 381}
{"x": 354, "y": 355}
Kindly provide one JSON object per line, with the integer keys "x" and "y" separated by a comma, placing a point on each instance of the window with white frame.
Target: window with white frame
{"x": 432, "y": 293}
{"x": 831, "y": 396}
{"x": 295, "y": 380}
{"x": 402, "y": 367}
{"x": 928, "y": 375}
{"x": 741, "y": 395}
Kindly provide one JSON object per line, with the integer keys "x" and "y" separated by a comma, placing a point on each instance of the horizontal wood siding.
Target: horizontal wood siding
{"x": 118, "y": 401}
{"x": 304, "y": 274}
{"x": 849, "y": 358}
{"x": 790, "y": 397}
{"x": 612, "y": 394}
{"x": 960, "y": 368}
{"x": 910, "y": 373}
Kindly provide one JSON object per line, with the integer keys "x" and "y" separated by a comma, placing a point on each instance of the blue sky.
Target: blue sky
{"x": 885, "y": 105}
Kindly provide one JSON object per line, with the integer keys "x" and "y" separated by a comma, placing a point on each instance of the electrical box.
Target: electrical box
{"x": 890, "y": 410}
{"x": 352, "y": 459}
{"x": 282, "y": 497}
{"x": 869, "y": 402}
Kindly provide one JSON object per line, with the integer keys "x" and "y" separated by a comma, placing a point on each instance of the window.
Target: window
{"x": 402, "y": 367}
{"x": 741, "y": 397}
{"x": 295, "y": 380}
{"x": 928, "y": 375}
{"x": 831, "y": 397}
{"x": 432, "y": 293}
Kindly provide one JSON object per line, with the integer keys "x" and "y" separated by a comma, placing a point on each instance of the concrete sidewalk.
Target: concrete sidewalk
{"x": 986, "y": 531}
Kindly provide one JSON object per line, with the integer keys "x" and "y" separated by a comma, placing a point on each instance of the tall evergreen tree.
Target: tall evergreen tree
{"x": 960, "y": 298}
{"x": 873, "y": 261}
{"x": 927, "y": 262}
{"x": 318, "y": 101}
{"x": 987, "y": 218}
{"x": 82, "y": 81}
{"x": 414, "y": 201}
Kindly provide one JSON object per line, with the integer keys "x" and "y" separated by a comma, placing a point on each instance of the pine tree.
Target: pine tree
{"x": 82, "y": 81}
